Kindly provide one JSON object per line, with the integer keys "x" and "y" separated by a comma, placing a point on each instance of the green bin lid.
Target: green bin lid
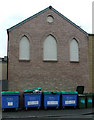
{"x": 10, "y": 92}
{"x": 51, "y": 91}
{"x": 30, "y": 90}
{"x": 89, "y": 94}
{"x": 69, "y": 92}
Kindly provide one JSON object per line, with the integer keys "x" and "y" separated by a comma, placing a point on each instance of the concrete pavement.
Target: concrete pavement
{"x": 0, "y": 114}
{"x": 50, "y": 114}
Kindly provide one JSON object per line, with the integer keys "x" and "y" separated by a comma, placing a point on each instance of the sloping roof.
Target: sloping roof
{"x": 50, "y": 7}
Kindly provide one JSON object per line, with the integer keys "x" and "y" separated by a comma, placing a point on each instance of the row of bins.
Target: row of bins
{"x": 34, "y": 98}
{"x": 86, "y": 100}
{"x": 51, "y": 99}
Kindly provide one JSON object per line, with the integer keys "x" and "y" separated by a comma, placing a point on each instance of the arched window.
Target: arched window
{"x": 24, "y": 49}
{"x": 50, "y": 49}
{"x": 74, "y": 50}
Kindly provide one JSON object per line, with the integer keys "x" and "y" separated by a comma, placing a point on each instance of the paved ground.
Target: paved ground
{"x": 50, "y": 114}
{"x": 0, "y": 114}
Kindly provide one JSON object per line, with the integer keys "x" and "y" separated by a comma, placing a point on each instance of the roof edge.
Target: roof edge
{"x": 69, "y": 21}
{"x": 24, "y": 21}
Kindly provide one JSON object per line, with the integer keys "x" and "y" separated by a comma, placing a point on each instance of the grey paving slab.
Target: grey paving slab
{"x": 49, "y": 114}
{"x": 43, "y": 118}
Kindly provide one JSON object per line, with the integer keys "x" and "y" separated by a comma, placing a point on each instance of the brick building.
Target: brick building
{"x": 91, "y": 59}
{"x": 49, "y": 51}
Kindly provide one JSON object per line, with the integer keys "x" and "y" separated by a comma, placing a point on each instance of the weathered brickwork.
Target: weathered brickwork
{"x": 60, "y": 75}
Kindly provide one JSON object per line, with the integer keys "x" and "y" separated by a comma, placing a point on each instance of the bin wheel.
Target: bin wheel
{"x": 74, "y": 107}
{"x": 38, "y": 108}
{"x": 16, "y": 109}
{"x": 26, "y": 108}
{"x": 2, "y": 110}
{"x": 57, "y": 108}
{"x": 45, "y": 108}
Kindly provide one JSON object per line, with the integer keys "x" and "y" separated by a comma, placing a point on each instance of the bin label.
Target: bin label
{"x": 10, "y": 103}
{"x": 52, "y": 102}
{"x": 70, "y": 102}
{"x": 32, "y": 102}
{"x": 90, "y": 100}
{"x": 82, "y": 101}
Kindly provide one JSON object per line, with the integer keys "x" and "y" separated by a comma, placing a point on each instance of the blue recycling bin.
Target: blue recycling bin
{"x": 32, "y": 100}
{"x": 10, "y": 99}
{"x": 51, "y": 99}
{"x": 69, "y": 98}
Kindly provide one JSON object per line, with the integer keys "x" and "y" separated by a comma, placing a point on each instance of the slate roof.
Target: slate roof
{"x": 50, "y": 7}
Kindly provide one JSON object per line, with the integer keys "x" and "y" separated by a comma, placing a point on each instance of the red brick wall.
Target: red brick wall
{"x": 60, "y": 75}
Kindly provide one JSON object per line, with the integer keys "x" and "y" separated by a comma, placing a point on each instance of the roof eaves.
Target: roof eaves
{"x": 91, "y": 34}
{"x": 26, "y": 20}
{"x": 69, "y": 21}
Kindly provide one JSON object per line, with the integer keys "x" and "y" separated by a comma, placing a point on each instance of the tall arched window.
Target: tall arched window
{"x": 50, "y": 49}
{"x": 74, "y": 50}
{"x": 24, "y": 49}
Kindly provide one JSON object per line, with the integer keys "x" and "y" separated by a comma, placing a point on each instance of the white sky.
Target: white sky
{"x": 14, "y": 11}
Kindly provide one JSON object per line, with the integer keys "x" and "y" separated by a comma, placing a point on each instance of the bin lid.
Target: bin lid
{"x": 51, "y": 91}
{"x": 69, "y": 92}
{"x": 10, "y": 92}
{"x": 82, "y": 95}
{"x": 89, "y": 94}
{"x": 31, "y": 90}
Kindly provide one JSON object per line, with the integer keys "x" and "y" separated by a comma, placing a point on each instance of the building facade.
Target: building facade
{"x": 49, "y": 51}
{"x": 3, "y": 74}
{"x": 91, "y": 63}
